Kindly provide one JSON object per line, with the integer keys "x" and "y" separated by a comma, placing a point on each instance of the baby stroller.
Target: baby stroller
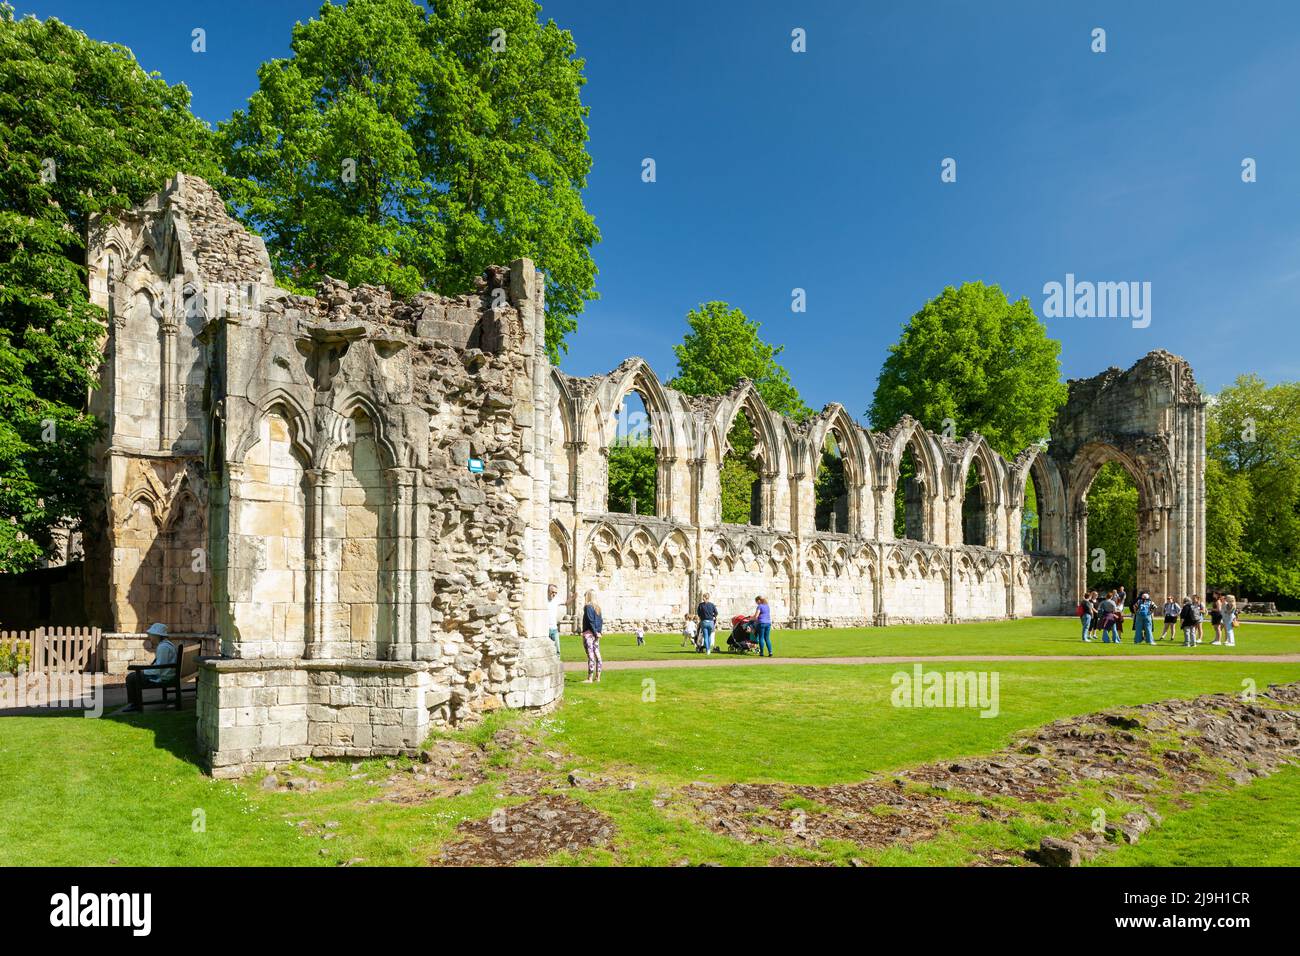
{"x": 741, "y": 640}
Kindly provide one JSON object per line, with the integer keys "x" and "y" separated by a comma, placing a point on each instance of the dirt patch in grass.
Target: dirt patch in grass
{"x": 868, "y": 814}
{"x": 531, "y": 831}
{"x": 447, "y": 768}
{"x": 1165, "y": 748}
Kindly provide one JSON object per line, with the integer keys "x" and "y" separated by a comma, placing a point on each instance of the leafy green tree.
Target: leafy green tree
{"x": 1112, "y": 528}
{"x": 975, "y": 358}
{"x": 1229, "y": 500}
{"x": 83, "y": 131}
{"x": 1253, "y": 489}
{"x": 632, "y": 470}
{"x": 416, "y": 147}
{"x": 721, "y": 347}
{"x": 829, "y": 486}
{"x": 739, "y": 474}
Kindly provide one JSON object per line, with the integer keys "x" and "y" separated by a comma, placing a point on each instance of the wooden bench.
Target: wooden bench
{"x": 172, "y": 676}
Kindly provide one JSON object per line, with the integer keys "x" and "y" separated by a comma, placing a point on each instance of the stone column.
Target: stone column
{"x": 223, "y": 515}
{"x": 878, "y": 599}
{"x": 323, "y": 507}
{"x": 168, "y": 396}
{"x": 805, "y": 517}
{"x": 401, "y": 575}
{"x": 768, "y": 497}
{"x": 883, "y": 494}
{"x": 696, "y": 466}
{"x": 527, "y": 294}
{"x": 664, "y": 484}
{"x": 1079, "y": 523}
{"x": 1010, "y": 565}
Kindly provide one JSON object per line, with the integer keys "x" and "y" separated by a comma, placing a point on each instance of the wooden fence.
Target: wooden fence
{"x": 59, "y": 649}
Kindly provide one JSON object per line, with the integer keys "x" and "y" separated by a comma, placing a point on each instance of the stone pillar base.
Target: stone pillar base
{"x": 256, "y": 714}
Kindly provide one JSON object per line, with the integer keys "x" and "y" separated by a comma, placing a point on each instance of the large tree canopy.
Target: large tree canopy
{"x": 1252, "y": 489}
{"x": 416, "y": 147}
{"x": 974, "y": 359}
{"x": 83, "y": 130}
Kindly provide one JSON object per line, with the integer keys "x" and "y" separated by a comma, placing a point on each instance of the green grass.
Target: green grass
{"x": 834, "y": 723}
{"x": 1039, "y": 635}
{"x": 1249, "y": 826}
{"x": 125, "y": 790}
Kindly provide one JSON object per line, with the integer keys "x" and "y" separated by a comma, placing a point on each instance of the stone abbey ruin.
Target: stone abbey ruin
{"x": 293, "y": 473}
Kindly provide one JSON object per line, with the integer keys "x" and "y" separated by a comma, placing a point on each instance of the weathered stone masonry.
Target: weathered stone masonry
{"x": 291, "y": 473}
{"x": 365, "y": 584}
{"x": 650, "y": 570}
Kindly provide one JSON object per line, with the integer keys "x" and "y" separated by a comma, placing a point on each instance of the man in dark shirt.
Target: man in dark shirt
{"x": 708, "y": 615}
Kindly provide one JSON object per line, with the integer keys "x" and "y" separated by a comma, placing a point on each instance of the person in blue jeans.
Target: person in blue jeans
{"x": 1109, "y": 619}
{"x": 708, "y": 615}
{"x": 762, "y": 618}
{"x": 1087, "y": 610}
{"x": 1144, "y": 631}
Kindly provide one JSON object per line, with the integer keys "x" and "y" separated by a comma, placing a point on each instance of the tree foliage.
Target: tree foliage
{"x": 1112, "y": 529}
{"x": 1252, "y": 489}
{"x": 83, "y": 131}
{"x": 416, "y": 147}
{"x": 829, "y": 486}
{"x": 738, "y": 476}
{"x": 973, "y": 357}
{"x": 632, "y": 473}
{"x": 721, "y": 347}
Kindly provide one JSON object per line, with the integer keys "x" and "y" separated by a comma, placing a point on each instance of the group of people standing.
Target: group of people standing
{"x": 1105, "y": 616}
{"x": 699, "y": 628}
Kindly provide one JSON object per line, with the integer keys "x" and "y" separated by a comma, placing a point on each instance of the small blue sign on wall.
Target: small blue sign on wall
{"x": 476, "y": 466}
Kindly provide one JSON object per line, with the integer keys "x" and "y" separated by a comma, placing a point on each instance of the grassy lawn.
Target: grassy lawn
{"x": 86, "y": 792}
{"x": 834, "y": 723}
{"x": 1039, "y": 635}
{"x": 1250, "y": 826}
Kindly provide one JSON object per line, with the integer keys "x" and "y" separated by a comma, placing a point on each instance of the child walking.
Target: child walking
{"x": 689, "y": 630}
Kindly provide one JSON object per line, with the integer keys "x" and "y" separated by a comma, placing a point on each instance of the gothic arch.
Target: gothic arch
{"x": 929, "y": 459}
{"x": 1050, "y": 489}
{"x": 991, "y": 470}
{"x": 859, "y": 468}
{"x": 285, "y": 404}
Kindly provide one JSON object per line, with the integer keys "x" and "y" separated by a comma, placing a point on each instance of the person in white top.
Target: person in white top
{"x": 689, "y": 630}
{"x": 554, "y": 608}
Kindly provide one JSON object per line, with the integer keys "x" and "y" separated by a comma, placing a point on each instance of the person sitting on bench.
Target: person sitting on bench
{"x": 165, "y": 653}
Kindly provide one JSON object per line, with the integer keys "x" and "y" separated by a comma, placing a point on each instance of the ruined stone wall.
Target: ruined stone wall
{"x": 293, "y": 473}
{"x": 653, "y": 570}
{"x": 366, "y": 584}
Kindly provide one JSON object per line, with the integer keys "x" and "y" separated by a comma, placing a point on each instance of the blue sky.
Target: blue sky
{"x": 821, "y": 170}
